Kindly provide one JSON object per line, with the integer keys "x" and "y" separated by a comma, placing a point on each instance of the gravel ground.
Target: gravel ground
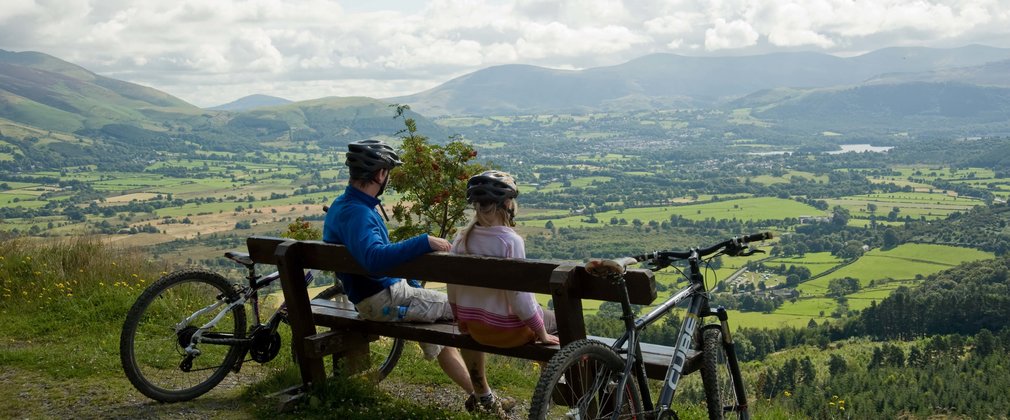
{"x": 445, "y": 396}
{"x": 29, "y": 396}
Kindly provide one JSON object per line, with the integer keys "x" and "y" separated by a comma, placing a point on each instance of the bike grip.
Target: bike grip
{"x": 606, "y": 268}
{"x": 758, "y": 237}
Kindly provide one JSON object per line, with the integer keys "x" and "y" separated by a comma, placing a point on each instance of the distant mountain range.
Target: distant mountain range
{"x": 668, "y": 80}
{"x": 42, "y": 96}
{"x": 894, "y": 88}
{"x": 250, "y": 102}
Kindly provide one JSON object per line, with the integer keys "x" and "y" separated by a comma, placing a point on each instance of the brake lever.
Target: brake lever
{"x": 749, "y": 252}
{"x": 658, "y": 264}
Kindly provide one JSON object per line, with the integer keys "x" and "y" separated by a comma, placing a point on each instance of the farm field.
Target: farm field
{"x": 747, "y": 209}
{"x": 912, "y": 204}
{"x": 739, "y": 319}
{"x": 816, "y": 262}
{"x": 786, "y": 178}
{"x": 904, "y": 262}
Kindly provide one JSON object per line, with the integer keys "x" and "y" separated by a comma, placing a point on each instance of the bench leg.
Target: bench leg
{"x": 355, "y": 354}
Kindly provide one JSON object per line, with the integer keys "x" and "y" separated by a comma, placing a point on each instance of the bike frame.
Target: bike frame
{"x": 249, "y": 294}
{"x": 697, "y": 310}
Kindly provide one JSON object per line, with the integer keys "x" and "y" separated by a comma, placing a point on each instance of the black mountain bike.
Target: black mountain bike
{"x": 187, "y": 330}
{"x": 587, "y": 379}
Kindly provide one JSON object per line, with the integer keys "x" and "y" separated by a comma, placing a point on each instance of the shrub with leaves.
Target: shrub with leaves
{"x": 431, "y": 183}
{"x": 302, "y": 230}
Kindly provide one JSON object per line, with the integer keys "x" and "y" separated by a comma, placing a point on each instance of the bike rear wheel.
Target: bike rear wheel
{"x": 720, "y": 377}
{"x": 580, "y": 381}
{"x": 161, "y": 324}
{"x": 385, "y": 352}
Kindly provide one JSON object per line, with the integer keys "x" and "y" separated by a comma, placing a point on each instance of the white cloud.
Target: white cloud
{"x": 556, "y": 39}
{"x": 729, "y": 35}
{"x": 325, "y": 47}
{"x": 676, "y": 24}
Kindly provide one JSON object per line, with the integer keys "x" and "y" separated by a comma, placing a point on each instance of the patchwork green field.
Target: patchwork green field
{"x": 913, "y": 204}
{"x": 904, "y": 262}
{"x": 787, "y": 177}
{"x": 816, "y": 262}
{"x": 747, "y": 209}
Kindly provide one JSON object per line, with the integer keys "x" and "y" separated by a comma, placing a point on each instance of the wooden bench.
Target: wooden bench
{"x": 349, "y": 336}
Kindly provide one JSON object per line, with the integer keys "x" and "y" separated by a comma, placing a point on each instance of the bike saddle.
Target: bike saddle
{"x": 240, "y": 257}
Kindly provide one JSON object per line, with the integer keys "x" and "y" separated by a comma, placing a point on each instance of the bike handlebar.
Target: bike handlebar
{"x": 604, "y": 268}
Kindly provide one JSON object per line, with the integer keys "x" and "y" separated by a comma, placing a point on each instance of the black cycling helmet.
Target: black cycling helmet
{"x": 491, "y": 187}
{"x": 366, "y": 157}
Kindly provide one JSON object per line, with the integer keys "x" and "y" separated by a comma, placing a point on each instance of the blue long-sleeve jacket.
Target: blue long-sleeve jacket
{"x": 353, "y": 222}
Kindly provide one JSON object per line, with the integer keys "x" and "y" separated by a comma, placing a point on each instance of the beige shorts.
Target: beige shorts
{"x": 423, "y": 305}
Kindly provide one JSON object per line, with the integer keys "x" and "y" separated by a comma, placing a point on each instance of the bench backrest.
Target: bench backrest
{"x": 495, "y": 273}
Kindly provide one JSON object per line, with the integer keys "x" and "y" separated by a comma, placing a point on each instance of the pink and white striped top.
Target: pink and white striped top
{"x": 502, "y": 318}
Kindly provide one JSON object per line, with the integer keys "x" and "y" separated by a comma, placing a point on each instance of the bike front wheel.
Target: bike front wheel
{"x": 161, "y": 325}
{"x": 385, "y": 352}
{"x": 581, "y": 382}
{"x": 720, "y": 376}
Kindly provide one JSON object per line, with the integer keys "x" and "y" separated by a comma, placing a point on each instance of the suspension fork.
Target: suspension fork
{"x": 730, "y": 348}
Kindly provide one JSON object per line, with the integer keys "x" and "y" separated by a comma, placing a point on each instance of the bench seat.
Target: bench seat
{"x": 342, "y": 317}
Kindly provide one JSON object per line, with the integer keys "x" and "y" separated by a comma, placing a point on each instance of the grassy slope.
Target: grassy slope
{"x": 62, "y": 304}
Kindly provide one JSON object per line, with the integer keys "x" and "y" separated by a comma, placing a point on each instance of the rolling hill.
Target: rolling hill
{"x": 54, "y": 113}
{"x": 51, "y": 94}
{"x": 668, "y": 80}
{"x": 974, "y": 96}
{"x": 250, "y": 102}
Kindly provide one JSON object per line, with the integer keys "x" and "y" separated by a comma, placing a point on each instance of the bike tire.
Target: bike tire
{"x": 561, "y": 386}
{"x": 719, "y": 376}
{"x": 150, "y": 345}
{"x": 384, "y": 354}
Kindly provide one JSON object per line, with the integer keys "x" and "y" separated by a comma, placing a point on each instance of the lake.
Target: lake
{"x": 860, "y": 148}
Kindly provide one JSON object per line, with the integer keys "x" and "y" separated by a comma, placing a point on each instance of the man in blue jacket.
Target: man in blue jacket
{"x": 353, "y": 221}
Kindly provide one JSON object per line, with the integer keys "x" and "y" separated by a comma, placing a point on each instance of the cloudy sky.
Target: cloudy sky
{"x": 209, "y": 52}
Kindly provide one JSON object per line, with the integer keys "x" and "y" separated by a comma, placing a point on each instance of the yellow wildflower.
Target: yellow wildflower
{"x": 788, "y": 394}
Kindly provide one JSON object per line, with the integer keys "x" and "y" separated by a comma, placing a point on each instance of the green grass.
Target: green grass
{"x": 739, "y": 319}
{"x": 816, "y": 262}
{"x": 904, "y": 262}
{"x": 913, "y": 204}
{"x": 786, "y": 178}
{"x": 62, "y": 304}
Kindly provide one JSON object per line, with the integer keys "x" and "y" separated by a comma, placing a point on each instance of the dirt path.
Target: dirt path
{"x": 28, "y": 396}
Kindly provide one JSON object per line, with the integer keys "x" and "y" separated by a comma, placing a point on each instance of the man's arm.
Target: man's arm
{"x": 365, "y": 236}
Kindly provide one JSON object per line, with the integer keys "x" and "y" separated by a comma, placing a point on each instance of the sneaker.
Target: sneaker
{"x": 507, "y": 403}
{"x": 494, "y": 405}
{"x": 471, "y": 403}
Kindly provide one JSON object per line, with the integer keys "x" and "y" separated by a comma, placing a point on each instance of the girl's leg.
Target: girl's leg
{"x": 475, "y": 363}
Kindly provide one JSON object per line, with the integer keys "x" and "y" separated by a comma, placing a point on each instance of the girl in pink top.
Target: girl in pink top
{"x": 499, "y": 318}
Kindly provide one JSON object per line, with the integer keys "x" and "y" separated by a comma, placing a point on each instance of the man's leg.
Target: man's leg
{"x": 452, "y": 364}
{"x": 425, "y": 305}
